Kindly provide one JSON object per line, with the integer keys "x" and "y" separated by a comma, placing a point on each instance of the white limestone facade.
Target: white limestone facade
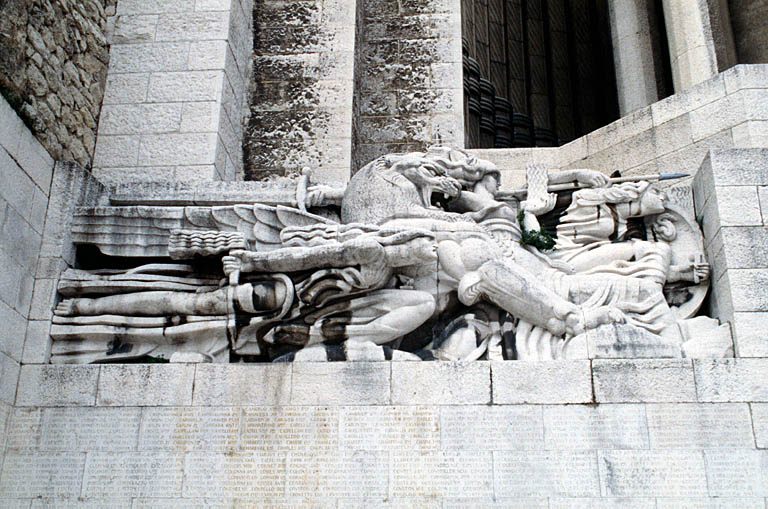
{"x": 591, "y": 433}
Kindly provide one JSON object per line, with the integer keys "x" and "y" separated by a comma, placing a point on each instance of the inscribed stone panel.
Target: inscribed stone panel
{"x": 132, "y": 474}
{"x": 337, "y": 474}
{"x": 737, "y": 473}
{"x": 24, "y": 428}
{"x": 531, "y": 474}
{"x": 190, "y": 428}
{"x": 389, "y": 428}
{"x": 293, "y": 428}
{"x": 602, "y": 503}
{"x": 89, "y": 429}
{"x": 234, "y": 475}
{"x": 81, "y": 503}
{"x": 41, "y": 475}
{"x": 652, "y": 473}
{"x": 709, "y": 503}
{"x": 442, "y": 474}
{"x": 595, "y": 427}
{"x": 491, "y": 428}
{"x": 697, "y": 426}
{"x": 174, "y": 503}
{"x": 760, "y": 424}
{"x": 501, "y": 503}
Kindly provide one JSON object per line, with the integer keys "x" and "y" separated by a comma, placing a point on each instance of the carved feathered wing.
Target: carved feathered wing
{"x": 144, "y": 231}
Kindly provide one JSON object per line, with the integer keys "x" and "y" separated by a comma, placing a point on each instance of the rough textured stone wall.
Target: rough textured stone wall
{"x": 409, "y": 77}
{"x": 53, "y": 63}
{"x": 301, "y": 95}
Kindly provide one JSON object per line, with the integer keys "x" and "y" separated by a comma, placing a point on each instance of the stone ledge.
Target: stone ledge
{"x": 396, "y": 383}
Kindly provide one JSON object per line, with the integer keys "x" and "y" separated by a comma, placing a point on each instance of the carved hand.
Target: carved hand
{"x": 591, "y": 178}
{"x": 233, "y": 262}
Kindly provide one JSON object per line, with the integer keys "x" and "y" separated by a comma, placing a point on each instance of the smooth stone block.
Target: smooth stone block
{"x": 9, "y": 377}
{"x": 308, "y": 428}
{"x": 134, "y": 474}
{"x": 652, "y": 473}
{"x": 732, "y": 380}
{"x": 602, "y": 503}
{"x": 390, "y": 428}
{"x": 442, "y": 474}
{"x": 41, "y": 475}
{"x": 710, "y": 503}
{"x": 220, "y": 475}
{"x": 492, "y": 428}
{"x": 698, "y": 426}
{"x": 46, "y": 385}
{"x": 760, "y": 424}
{"x": 242, "y": 384}
{"x": 441, "y": 383}
{"x": 549, "y": 382}
{"x": 89, "y": 429}
{"x": 190, "y": 428}
{"x": 546, "y": 473}
{"x": 737, "y": 472}
{"x": 146, "y": 385}
{"x": 584, "y": 427}
{"x": 750, "y": 331}
{"x": 637, "y": 381}
{"x": 340, "y": 383}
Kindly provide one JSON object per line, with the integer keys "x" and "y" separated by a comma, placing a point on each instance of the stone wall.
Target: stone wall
{"x": 53, "y": 63}
{"x": 608, "y": 433}
{"x": 25, "y": 170}
{"x": 408, "y": 77}
{"x": 731, "y": 199}
{"x": 175, "y": 97}
{"x": 301, "y": 91}
{"x": 750, "y": 30}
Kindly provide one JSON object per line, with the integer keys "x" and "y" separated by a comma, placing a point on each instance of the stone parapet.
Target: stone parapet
{"x": 349, "y": 434}
{"x": 175, "y": 96}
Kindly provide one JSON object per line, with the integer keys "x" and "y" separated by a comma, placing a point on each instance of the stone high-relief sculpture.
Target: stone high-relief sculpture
{"x": 419, "y": 257}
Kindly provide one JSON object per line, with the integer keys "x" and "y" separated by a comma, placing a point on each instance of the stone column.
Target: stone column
{"x": 632, "y": 54}
{"x": 691, "y": 45}
{"x": 175, "y": 94}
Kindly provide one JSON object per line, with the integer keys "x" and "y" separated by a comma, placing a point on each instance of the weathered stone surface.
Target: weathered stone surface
{"x": 354, "y": 383}
{"x": 558, "y": 474}
{"x": 89, "y": 429}
{"x": 397, "y": 428}
{"x": 257, "y": 385}
{"x": 633, "y": 381}
{"x": 298, "y": 428}
{"x": 41, "y": 475}
{"x": 605, "y": 426}
{"x": 656, "y": 473}
{"x": 133, "y": 473}
{"x": 493, "y": 428}
{"x": 190, "y": 429}
{"x": 737, "y": 473}
{"x": 760, "y": 424}
{"x": 442, "y": 474}
{"x": 345, "y": 474}
{"x": 42, "y": 385}
{"x": 463, "y": 384}
{"x": 541, "y": 382}
{"x": 731, "y": 380}
{"x": 220, "y": 475}
{"x": 699, "y": 426}
{"x": 143, "y": 385}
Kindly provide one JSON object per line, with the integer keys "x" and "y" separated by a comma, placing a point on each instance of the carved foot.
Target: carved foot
{"x": 65, "y": 308}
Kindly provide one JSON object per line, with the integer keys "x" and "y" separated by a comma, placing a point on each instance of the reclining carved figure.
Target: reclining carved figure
{"x": 424, "y": 241}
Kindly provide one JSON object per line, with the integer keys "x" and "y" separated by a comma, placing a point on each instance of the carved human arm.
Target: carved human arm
{"x": 589, "y": 178}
